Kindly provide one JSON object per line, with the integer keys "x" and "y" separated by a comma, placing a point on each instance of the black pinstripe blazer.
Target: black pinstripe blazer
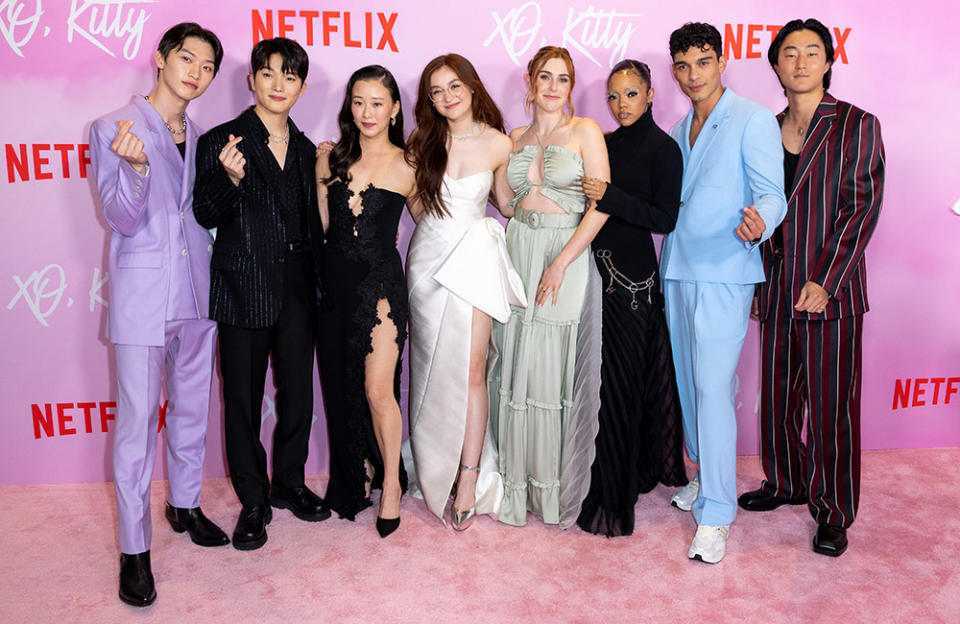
{"x": 246, "y": 270}
{"x": 832, "y": 211}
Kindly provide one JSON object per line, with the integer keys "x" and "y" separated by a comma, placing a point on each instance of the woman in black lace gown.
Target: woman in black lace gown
{"x": 640, "y": 442}
{"x": 363, "y": 325}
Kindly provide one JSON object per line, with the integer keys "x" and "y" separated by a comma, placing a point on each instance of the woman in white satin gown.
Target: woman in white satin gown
{"x": 459, "y": 276}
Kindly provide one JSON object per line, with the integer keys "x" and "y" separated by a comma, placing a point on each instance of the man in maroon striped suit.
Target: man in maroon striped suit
{"x": 812, "y": 304}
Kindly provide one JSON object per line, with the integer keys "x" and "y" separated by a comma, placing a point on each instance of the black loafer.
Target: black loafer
{"x": 760, "y": 500}
{"x": 831, "y": 540}
{"x": 203, "y": 532}
{"x": 251, "y": 530}
{"x": 301, "y": 501}
{"x": 136, "y": 580}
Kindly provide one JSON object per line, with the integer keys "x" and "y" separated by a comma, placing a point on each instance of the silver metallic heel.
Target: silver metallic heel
{"x": 461, "y": 520}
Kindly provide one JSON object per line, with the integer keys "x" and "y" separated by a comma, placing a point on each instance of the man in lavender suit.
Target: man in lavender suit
{"x": 143, "y": 155}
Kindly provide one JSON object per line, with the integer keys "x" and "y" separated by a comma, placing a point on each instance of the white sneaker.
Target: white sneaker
{"x": 683, "y": 499}
{"x": 710, "y": 543}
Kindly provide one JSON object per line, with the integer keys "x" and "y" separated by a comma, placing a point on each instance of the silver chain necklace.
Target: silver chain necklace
{"x": 183, "y": 121}
{"x": 464, "y": 137}
{"x": 276, "y": 138}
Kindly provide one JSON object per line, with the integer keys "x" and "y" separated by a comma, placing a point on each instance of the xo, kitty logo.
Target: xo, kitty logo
{"x": 588, "y": 32}
{"x": 110, "y": 25}
{"x": 19, "y": 21}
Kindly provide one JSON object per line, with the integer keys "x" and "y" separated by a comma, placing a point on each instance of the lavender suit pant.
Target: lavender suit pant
{"x": 187, "y": 359}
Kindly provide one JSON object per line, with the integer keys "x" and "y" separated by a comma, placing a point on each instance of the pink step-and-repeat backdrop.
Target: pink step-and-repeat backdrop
{"x": 66, "y": 62}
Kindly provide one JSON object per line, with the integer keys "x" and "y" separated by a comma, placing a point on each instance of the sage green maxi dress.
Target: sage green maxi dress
{"x": 545, "y": 386}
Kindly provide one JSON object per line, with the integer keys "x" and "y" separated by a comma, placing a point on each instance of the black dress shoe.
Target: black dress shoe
{"x": 301, "y": 501}
{"x": 251, "y": 530}
{"x": 136, "y": 580}
{"x": 831, "y": 540}
{"x": 760, "y": 500}
{"x": 203, "y": 532}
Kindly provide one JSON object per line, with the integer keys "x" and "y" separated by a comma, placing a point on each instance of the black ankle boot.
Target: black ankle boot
{"x": 136, "y": 580}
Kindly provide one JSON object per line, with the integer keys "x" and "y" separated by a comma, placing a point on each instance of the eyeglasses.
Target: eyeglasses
{"x": 455, "y": 90}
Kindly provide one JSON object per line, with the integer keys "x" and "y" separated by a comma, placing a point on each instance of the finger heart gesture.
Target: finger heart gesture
{"x": 232, "y": 159}
{"x": 129, "y": 147}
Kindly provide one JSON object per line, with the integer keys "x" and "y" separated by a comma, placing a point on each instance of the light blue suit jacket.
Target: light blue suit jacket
{"x": 737, "y": 161}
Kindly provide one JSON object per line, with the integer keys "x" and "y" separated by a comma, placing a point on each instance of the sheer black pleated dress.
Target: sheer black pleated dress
{"x": 640, "y": 442}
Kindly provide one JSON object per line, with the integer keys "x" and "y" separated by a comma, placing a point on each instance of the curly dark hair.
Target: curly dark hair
{"x": 695, "y": 35}
{"x": 808, "y": 24}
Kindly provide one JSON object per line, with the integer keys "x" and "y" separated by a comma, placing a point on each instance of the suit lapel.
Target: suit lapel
{"x": 255, "y": 148}
{"x": 822, "y": 126}
{"x": 189, "y": 166}
{"x": 711, "y": 128}
{"x": 159, "y": 135}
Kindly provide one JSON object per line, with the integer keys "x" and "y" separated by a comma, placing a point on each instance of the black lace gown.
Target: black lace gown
{"x": 361, "y": 267}
{"x": 640, "y": 442}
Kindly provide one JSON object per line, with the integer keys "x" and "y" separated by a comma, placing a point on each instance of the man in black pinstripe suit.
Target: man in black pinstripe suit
{"x": 256, "y": 184}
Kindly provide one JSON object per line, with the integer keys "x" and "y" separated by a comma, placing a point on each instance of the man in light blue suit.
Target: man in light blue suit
{"x": 731, "y": 200}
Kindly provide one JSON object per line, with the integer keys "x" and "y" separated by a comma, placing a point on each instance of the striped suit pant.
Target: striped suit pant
{"x": 814, "y": 365}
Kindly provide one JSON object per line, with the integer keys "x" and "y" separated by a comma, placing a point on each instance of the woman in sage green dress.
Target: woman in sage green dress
{"x": 545, "y": 386}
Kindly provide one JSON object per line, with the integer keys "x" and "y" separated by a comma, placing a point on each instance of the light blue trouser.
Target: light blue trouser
{"x": 708, "y": 322}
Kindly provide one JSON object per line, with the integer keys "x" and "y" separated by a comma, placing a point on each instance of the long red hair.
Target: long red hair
{"x": 427, "y": 147}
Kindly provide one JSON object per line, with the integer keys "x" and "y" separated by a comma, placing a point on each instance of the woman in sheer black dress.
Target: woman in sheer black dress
{"x": 363, "y": 325}
{"x": 640, "y": 442}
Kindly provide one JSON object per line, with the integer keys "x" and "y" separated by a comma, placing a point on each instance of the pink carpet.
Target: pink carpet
{"x": 58, "y": 562}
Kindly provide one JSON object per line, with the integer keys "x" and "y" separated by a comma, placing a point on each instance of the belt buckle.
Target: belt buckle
{"x": 533, "y": 219}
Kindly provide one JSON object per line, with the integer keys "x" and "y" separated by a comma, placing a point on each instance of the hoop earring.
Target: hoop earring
{"x": 393, "y": 121}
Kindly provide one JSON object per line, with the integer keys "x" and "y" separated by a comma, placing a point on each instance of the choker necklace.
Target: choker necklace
{"x": 276, "y": 138}
{"x": 464, "y": 137}
{"x": 183, "y": 121}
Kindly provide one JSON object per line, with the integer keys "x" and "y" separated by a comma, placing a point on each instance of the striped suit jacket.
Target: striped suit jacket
{"x": 247, "y": 265}
{"x": 832, "y": 210}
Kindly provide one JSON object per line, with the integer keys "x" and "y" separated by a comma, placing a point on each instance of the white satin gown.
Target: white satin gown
{"x": 455, "y": 263}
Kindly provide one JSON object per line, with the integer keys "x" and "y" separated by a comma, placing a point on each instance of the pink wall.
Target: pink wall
{"x": 66, "y": 63}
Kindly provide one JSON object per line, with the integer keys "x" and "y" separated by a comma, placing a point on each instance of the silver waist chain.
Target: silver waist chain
{"x": 618, "y": 278}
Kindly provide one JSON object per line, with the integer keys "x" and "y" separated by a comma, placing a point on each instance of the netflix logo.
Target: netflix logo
{"x": 43, "y": 161}
{"x": 347, "y": 29}
{"x": 67, "y": 419}
{"x": 924, "y": 391}
{"x": 751, "y": 41}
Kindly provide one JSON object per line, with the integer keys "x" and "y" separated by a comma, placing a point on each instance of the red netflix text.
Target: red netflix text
{"x": 65, "y": 419}
{"x": 44, "y": 161}
{"x": 738, "y": 36}
{"x": 924, "y": 391}
{"x": 348, "y": 29}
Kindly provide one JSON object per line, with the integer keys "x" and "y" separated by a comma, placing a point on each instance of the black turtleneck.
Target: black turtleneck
{"x": 646, "y": 169}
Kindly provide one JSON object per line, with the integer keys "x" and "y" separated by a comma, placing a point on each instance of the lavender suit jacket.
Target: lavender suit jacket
{"x": 138, "y": 209}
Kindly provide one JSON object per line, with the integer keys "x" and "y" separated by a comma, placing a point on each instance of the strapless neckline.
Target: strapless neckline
{"x": 466, "y": 177}
{"x": 369, "y": 187}
{"x": 558, "y": 148}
